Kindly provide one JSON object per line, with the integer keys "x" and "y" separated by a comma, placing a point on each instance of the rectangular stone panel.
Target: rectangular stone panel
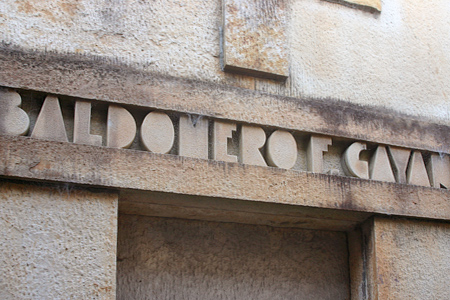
{"x": 401, "y": 259}
{"x": 254, "y": 38}
{"x": 57, "y": 242}
{"x": 412, "y": 259}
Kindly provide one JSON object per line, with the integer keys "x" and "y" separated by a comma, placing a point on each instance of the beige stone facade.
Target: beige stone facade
{"x": 57, "y": 242}
{"x": 226, "y": 149}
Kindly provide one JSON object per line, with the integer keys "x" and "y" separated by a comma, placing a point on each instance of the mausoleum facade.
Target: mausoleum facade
{"x": 227, "y": 149}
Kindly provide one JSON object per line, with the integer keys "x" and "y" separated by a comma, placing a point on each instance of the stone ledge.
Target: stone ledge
{"x": 27, "y": 158}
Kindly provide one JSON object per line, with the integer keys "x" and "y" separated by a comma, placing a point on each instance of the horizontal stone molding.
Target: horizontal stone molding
{"x": 100, "y": 79}
{"x": 28, "y": 158}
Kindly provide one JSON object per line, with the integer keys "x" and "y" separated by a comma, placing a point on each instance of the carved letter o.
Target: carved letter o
{"x": 157, "y": 132}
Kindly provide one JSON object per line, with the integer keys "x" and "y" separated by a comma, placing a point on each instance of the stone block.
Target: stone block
{"x": 57, "y": 243}
{"x": 255, "y": 38}
{"x": 412, "y": 259}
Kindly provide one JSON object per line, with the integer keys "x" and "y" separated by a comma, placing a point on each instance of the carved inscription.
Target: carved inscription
{"x": 82, "y": 126}
{"x": 157, "y": 132}
{"x": 224, "y": 140}
{"x": 438, "y": 168}
{"x": 252, "y": 140}
{"x": 50, "y": 122}
{"x": 316, "y": 147}
{"x": 223, "y": 131}
{"x": 380, "y": 168}
{"x": 281, "y": 149}
{"x": 352, "y": 163}
{"x": 121, "y": 127}
{"x": 13, "y": 120}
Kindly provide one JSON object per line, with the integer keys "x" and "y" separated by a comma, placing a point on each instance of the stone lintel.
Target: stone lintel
{"x": 27, "y": 158}
{"x": 169, "y": 205}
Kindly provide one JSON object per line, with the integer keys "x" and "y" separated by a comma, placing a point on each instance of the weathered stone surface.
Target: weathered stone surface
{"x": 412, "y": 259}
{"x": 396, "y": 258}
{"x": 352, "y": 163}
{"x": 57, "y": 243}
{"x": 157, "y": 132}
{"x": 82, "y": 125}
{"x": 316, "y": 146}
{"x": 50, "y": 124}
{"x": 376, "y": 4}
{"x": 255, "y": 38}
{"x": 281, "y": 149}
{"x": 222, "y": 132}
{"x": 140, "y": 170}
{"x": 121, "y": 127}
{"x": 82, "y": 77}
{"x": 396, "y": 60}
{"x": 160, "y": 258}
{"x": 252, "y": 139}
{"x": 363, "y": 262}
{"x": 335, "y": 52}
{"x": 13, "y": 120}
{"x": 179, "y": 206}
{"x": 370, "y": 3}
{"x": 193, "y": 137}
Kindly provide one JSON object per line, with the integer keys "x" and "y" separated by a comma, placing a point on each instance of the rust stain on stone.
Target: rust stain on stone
{"x": 54, "y": 11}
{"x": 26, "y": 7}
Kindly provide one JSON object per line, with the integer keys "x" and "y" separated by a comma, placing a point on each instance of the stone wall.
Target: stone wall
{"x": 395, "y": 58}
{"x": 57, "y": 243}
{"x": 413, "y": 259}
{"x": 376, "y": 75}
